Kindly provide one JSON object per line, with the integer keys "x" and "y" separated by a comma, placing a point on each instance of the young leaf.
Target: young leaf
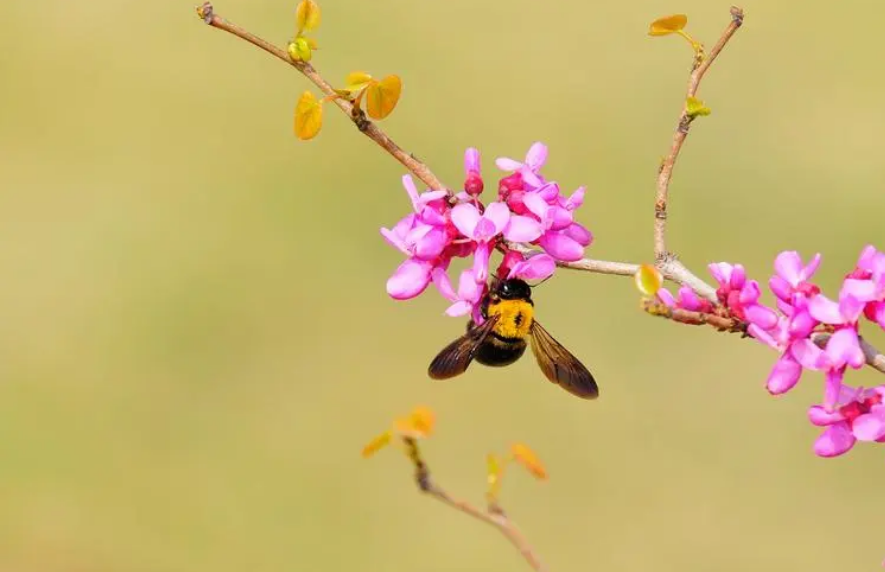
{"x": 694, "y": 107}
{"x": 418, "y": 424}
{"x": 648, "y": 280}
{"x": 527, "y": 458}
{"x": 382, "y": 96}
{"x": 667, "y": 25}
{"x": 308, "y": 116}
{"x": 377, "y": 444}
{"x": 300, "y": 49}
{"x": 357, "y": 80}
{"x": 307, "y": 15}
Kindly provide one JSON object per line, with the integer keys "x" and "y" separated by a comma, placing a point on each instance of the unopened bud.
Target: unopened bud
{"x": 473, "y": 185}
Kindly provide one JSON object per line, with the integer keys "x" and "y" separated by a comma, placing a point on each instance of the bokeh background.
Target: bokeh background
{"x": 195, "y": 340}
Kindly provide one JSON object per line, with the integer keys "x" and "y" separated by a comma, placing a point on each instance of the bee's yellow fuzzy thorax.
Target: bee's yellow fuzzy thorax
{"x": 516, "y": 317}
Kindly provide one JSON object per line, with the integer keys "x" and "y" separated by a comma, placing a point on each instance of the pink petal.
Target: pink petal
{"x": 869, "y": 427}
{"x": 471, "y": 160}
{"x": 537, "y": 156}
{"x": 481, "y": 262}
{"x": 579, "y": 234}
{"x": 465, "y": 217}
{"x": 468, "y": 287}
{"x": 522, "y": 229}
{"x": 531, "y": 179}
{"x": 498, "y": 213}
{"x": 666, "y": 298}
{"x": 549, "y": 192}
{"x": 560, "y": 218}
{"x": 749, "y": 293}
{"x": 561, "y": 247}
{"x": 459, "y": 308}
{"x": 788, "y": 266}
{"x": 443, "y": 284}
{"x": 431, "y": 244}
{"x": 863, "y": 290}
{"x": 843, "y": 347}
{"x": 484, "y": 231}
{"x": 417, "y": 233}
{"x": 851, "y": 308}
{"x": 760, "y": 334}
{"x": 811, "y": 267}
{"x": 507, "y": 164}
{"x": 801, "y": 325}
{"x": 867, "y": 255}
{"x": 409, "y": 280}
{"x": 430, "y": 196}
{"x": 412, "y": 191}
{"x": 576, "y": 199}
{"x": 721, "y": 271}
{"x": 825, "y": 310}
{"x": 688, "y": 299}
{"x": 784, "y": 375}
{"x": 836, "y": 440}
{"x": 834, "y": 391}
{"x": 823, "y": 418}
{"x": 763, "y": 317}
{"x": 809, "y": 355}
{"x": 738, "y": 277}
{"x": 536, "y": 204}
{"x": 781, "y": 288}
{"x": 537, "y": 267}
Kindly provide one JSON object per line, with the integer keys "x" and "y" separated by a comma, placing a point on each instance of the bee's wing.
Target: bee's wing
{"x": 560, "y": 366}
{"x": 455, "y": 357}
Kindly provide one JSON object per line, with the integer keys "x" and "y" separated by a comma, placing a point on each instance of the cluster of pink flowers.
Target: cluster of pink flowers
{"x": 528, "y": 210}
{"x": 803, "y": 316}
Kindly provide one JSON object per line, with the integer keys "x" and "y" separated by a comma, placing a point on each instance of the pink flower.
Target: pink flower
{"x": 859, "y": 415}
{"x": 741, "y": 296}
{"x": 559, "y": 235}
{"x": 528, "y": 169}
{"x": 481, "y": 229}
{"x": 442, "y": 227}
{"x": 792, "y": 276}
{"x": 536, "y": 267}
{"x": 866, "y": 284}
{"x": 469, "y": 295}
{"x": 687, "y": 300}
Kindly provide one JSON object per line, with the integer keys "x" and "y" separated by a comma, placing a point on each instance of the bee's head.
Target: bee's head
{"x": 513, "y": 289}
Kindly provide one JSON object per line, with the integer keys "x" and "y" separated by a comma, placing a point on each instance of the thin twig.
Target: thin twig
{"x": 721, "y": 323}
{"x": 370, "y": 129}
{"x": 666, "y": 169}
{"x": 874, "y": 358}
{"x": 493, "y": 516}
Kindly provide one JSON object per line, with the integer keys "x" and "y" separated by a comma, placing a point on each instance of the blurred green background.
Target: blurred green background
{"x": 196, "y": 340}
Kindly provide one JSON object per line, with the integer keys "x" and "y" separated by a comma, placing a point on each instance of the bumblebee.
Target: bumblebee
{"x": 509, "y": 321}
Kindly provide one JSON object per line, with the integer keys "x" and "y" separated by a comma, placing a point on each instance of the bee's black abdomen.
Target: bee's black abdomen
{"x": 496, "y": 351}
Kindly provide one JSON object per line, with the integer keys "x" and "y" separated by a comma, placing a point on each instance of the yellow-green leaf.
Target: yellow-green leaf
{"x": 419, "y": 423}
{"x": 694, "y": 107}
{"x": 667, "y": 25}
{"x": 377, "y": 444}
{"x": 382, "y": 96}
{"x": 357, "y": 80}
{"x": 648, "y": 280}
{"x": 299, "y": 49}
{"x": 307, "y": 15}
{"x": 308, "y": 116}
{"x": 527, "y": 458}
